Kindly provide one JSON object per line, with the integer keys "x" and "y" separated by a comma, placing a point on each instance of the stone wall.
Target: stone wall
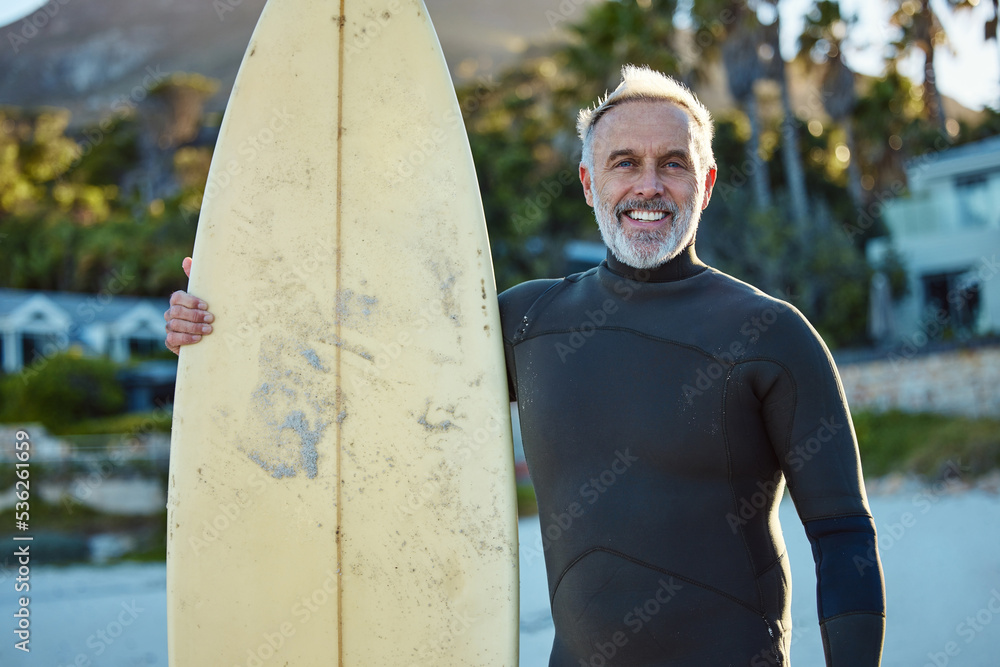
{"x": 959, "y": 381}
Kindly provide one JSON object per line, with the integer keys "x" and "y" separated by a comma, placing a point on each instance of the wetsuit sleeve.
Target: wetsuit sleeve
{"x": 514, "y": 305}
{"x": 850, "y": 595}
{"x": 809, "y": 425}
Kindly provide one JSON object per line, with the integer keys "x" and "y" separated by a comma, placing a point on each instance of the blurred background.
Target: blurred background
{"x": 859, "y": 178}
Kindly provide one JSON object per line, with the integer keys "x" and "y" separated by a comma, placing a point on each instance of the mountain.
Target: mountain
{"x": 91, "y": 56}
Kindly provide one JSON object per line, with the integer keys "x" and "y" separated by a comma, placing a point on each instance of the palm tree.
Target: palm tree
{"x": 922, "y": 30}
{"x": 792, "y": 157}
{"x": 729, "y": 30}
{"x": 170, "y": 116}
{"x": 613, "y": 34}
{"x": 709, "y": 31}
{"x": 840, "y": 101}
{"x": 824, "y": 26}
{"x": 743, "y": 69}
{"x": 886, "y": 132}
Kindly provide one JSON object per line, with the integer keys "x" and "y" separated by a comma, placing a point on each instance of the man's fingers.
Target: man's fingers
{"x": 187, "y": 319}
{"x": 176, "y": 340}
{"x": 182, "y": 314}
{"x": 186, "y": 265}
{"x": 188, "y": 327}
{"x": 181, "y": 298}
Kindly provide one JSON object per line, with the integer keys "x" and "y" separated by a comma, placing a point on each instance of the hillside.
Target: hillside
{"x": 91, "y": 54}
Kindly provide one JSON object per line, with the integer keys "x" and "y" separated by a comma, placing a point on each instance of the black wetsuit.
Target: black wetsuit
{"x": 662, "y": 413}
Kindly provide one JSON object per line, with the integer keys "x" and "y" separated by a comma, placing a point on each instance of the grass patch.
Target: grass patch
{"x": 927, "y": 444}
{"x": 135, "y": 423}
{"x": 72, "y": 517}
{"x": 922, "y": 444}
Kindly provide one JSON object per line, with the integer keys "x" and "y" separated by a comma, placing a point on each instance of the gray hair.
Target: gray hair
{"x": 644, "y": 84}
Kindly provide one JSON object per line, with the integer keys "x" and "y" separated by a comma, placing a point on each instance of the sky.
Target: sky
{"x": 968, "y": 70}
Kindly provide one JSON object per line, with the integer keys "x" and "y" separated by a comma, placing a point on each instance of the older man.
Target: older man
{"x": 664, "y": 406}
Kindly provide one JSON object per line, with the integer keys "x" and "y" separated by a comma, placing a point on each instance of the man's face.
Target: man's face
{"x": 647, "y": 186}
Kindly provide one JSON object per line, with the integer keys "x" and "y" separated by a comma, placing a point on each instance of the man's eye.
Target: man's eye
{"x": 625, "y": 163}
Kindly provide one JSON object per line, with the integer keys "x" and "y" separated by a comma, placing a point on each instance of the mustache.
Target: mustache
{"x": 646, "y": 205}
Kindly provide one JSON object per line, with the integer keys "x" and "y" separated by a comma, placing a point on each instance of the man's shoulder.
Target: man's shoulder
{"x": 755, "y": 313}
{"x": 516, "y": 301}
{"x": 529, "y": 287}
{"x": 742, "y": 293}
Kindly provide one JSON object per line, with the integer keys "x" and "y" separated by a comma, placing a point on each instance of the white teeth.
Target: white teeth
{"x": 646, "y": 216}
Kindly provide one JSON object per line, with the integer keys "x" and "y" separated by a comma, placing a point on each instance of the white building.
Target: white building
{"x": 947, "y": 232}
{"x": 39, "y": 324}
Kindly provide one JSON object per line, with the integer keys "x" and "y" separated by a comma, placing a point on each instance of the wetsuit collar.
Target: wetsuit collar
{"x": 684, "y": 265}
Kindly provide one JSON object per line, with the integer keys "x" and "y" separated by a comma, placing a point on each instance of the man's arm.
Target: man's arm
{"x": 810, "y": 428}
{"x": 187, "y": 318}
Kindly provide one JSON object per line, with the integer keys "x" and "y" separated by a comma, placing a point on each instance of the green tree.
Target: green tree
{"x": 827, "y": 278}
{"x": 70, "y": 218}
{"x": 743, "y": 70}
{"x": 170, "y": 117}
{"x": 522, "y": 134}
{"x": 791, "y": 156}
{"x": 36, "y": 160}
{"x": 523, "y": 137}
{"x": 921, "y": 29}
{"x": 614, "y": 34}
{"x": 821, "y": 43}
{"x": 711, "y": 22}
{"x": 61, "y": 390}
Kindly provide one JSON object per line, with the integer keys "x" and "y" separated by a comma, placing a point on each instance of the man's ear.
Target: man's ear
{"x": 709, "y": 184}
{"x": 585, "y": 181}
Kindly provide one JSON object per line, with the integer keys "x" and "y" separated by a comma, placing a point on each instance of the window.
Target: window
{"x": 954, "y": 298}
{"x": 34, "y": 345}
{"x": 145, "y": 340}
{"x": 975, "y": 206}
{"x": 143, "y": 347}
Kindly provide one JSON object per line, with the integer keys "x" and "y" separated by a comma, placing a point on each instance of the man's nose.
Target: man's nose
{"x": 648, "y": 185}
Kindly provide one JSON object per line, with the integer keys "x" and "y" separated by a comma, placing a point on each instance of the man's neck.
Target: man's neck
{"x": 684, "y": 265}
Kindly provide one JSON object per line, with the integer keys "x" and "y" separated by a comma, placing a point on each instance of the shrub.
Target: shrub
{"x": 61, "y": 390}
{"x": 927, "y": 444}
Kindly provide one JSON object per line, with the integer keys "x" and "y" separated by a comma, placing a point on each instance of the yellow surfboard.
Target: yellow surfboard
{"x": 341, "y": 475}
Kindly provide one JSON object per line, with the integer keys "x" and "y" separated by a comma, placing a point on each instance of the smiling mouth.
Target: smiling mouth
{"x": 646, "y": 216}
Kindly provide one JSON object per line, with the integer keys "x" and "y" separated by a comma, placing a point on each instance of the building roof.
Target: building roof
{"x": 979, "y": 156}
{"x": 83, "y": 308}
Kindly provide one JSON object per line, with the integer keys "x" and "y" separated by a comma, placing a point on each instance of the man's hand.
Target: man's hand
{"x": 187, "y": 318}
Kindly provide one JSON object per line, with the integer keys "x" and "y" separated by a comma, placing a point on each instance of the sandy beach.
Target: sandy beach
{"x": 940, "y": 549}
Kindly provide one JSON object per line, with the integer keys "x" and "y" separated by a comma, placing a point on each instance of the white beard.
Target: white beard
{"x": 646, "y": 249}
